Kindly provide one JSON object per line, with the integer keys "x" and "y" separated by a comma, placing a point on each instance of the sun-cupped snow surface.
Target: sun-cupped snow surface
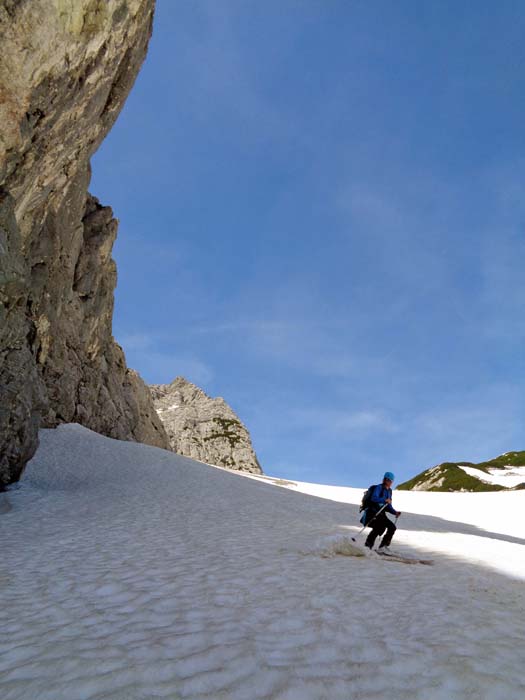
{"x": 129, "y": 573}
{"x": 508, "y": 476}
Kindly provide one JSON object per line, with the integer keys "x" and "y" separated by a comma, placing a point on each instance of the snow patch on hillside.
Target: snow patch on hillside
{"x": 168, "y": 408}
{"x": 506, "y": 476}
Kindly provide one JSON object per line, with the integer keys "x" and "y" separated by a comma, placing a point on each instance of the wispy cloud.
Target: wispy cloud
{"x": 136, "y": 342}
{"x": 311, "y": 345}
{"x": 343, "y": 424}
{"x": 502, "y": 255}
{"x": 158, "y": 366}
{"x": 469, "y": 429}
{"x": 224, "y": 86}
{"x": 405, "y": 227}
{"x": 474, "y": 426}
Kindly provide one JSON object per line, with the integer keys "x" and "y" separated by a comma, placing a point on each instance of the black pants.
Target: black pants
{"x": 379, "y": 525}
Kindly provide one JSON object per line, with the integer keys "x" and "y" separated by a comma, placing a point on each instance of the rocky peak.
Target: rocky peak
{"x": 203, "y": 428}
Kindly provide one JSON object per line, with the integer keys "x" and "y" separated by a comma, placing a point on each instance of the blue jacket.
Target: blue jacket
{"x": 379, "y": 497}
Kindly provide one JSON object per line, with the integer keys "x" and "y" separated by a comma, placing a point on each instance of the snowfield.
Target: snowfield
{"x": 498, "y": 512}
{"x": 508, "y": 477}
{"x": 130, "y": 573}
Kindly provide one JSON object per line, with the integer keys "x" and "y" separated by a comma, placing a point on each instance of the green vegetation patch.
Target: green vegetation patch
{"x": 225, "y": 431}
{"x": 227, "y": 423}
{"x": 510, "y": 459}
{"x": 227, "y": 462}
{"x": 453, "y": 479}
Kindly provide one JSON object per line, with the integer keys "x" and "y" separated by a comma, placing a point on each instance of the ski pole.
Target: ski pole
{"x": 372, "y": 520}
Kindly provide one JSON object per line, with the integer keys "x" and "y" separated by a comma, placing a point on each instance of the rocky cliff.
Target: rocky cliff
{"x": 65, "y": 71}
{"x": 204, "y": 428}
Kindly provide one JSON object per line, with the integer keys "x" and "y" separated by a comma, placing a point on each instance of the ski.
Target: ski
{"x": 403, "y": 559}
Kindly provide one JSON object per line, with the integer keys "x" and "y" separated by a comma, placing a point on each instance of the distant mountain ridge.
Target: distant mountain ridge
{"x": 503, "y": 473}
{"x": 203, "y": 428}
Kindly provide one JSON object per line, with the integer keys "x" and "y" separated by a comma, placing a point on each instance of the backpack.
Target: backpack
{"x": 367, "y": 495}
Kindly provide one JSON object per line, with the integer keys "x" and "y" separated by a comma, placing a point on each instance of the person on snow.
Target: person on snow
{"x": 381, "y": 496}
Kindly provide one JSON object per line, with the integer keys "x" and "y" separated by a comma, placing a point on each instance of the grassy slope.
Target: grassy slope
{"x": 455, "y": 479}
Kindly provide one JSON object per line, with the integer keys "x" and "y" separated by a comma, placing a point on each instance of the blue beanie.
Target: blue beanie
{"x": 389, "y": 475}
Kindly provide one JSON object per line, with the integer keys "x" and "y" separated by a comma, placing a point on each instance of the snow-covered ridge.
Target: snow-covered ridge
{"x": 131, "y": 573}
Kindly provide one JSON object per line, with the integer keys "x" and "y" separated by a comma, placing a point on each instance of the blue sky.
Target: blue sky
{"x": 322, "y": 216}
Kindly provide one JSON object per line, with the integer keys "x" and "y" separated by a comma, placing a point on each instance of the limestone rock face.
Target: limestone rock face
{"x": 65, "y": 71}
{"x": 203, "y": 428}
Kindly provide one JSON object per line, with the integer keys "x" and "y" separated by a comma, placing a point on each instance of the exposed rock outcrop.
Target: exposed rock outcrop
{"x": 65, "y": 71}
{"x": 204, "y": 428}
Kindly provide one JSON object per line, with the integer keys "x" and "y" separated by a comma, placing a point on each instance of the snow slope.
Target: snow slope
{"x": 129, "y": 573}
{"x": 495, "y": 540}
